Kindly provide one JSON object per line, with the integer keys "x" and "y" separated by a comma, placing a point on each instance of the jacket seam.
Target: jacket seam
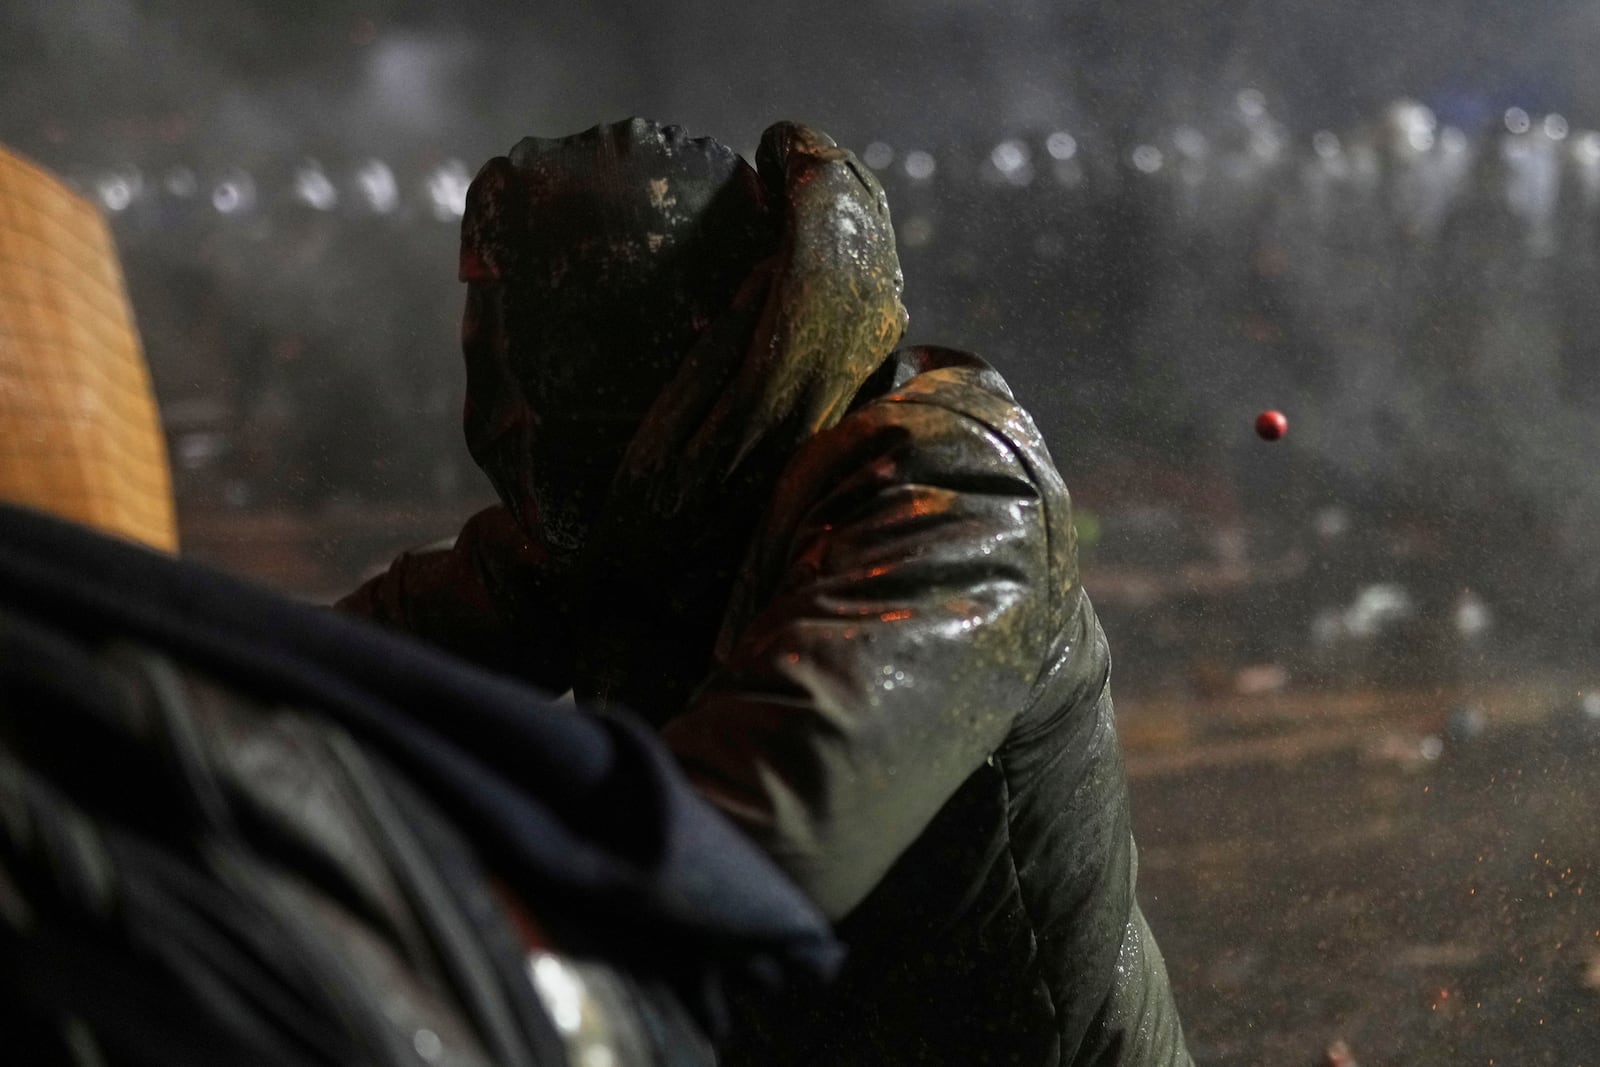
{"x": 1022, "y": 900}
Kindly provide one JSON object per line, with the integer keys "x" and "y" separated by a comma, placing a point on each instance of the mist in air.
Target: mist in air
{"x": 1156, "y": 223}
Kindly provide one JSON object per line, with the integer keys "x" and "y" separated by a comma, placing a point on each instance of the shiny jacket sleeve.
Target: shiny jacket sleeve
{"x": 895, "y": 634}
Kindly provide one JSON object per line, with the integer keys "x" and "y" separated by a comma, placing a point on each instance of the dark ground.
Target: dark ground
{"x": 1312, "y": 875}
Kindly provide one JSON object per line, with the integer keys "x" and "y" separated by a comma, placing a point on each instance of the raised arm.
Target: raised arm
{"x": 906, "y": 607}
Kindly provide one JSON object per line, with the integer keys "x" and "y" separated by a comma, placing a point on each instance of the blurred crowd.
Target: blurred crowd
{"x": 1416, "y": 297}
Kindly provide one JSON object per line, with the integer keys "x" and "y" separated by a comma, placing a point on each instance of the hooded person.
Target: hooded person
{"x": 839, "y": 577}
{"x": 238, "y": 829}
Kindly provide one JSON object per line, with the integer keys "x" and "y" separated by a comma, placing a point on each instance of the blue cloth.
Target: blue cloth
{"x": 583, "y": 810}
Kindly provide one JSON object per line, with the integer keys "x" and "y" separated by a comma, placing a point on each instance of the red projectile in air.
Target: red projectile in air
{"x": 1271, "y": 425}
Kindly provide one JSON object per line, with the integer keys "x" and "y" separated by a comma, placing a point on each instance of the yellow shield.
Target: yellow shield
{"x": 80, "y": 436}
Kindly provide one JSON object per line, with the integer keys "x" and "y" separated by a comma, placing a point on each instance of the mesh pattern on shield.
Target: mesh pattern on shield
{"x": 80, "y": 436}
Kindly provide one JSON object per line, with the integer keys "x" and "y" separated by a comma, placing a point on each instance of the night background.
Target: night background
{"x": 1157, "y": 219}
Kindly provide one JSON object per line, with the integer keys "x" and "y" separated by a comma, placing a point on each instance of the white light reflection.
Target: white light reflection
{"x": 1326, "y": 144}
{"x": 560, "y": 988}
{"x": 1252, "y": 103}
{"x": 119, "y": 188}
{"x": 919, "y": 165}
{"x": 1555, "y": 127}
{"x": 1147, "y": 159}
{"x": 312, "y": 186}
{"x": 115, "y": 194}
{"x": 447, "y": 190}
{"x": 234, "y": 194}
{"x": 877, "y": 155}
{"x": 1517, "y": 120}
{"x": 1009, "y": 157}
{"x": 1420, "y": 138}
{"x": 1061, "y": 145}
{"x": 427, "y": 1044}
{"x": 377, "y": 185}
{"x": 1415, "y": 123}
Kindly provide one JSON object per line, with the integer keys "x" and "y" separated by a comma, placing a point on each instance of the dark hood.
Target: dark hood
{"x": 666, "y": 322}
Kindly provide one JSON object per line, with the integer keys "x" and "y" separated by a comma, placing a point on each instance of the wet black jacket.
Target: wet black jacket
{"x": 236, "y": 829}
{"x": 891, "y": 679}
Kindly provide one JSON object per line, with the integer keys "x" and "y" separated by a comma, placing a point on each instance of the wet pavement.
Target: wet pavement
{"x": 1370, "y": 867}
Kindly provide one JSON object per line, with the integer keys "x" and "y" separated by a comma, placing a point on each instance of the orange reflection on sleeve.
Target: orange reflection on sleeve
{"x": 932, "y": 503}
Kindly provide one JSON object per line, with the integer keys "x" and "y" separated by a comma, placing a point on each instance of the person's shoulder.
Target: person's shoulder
{"x": 923, "y": 409}
{"x": 929, "y": 416}
{"x": 936, "y": 373}
{"x": 962, "y": 387}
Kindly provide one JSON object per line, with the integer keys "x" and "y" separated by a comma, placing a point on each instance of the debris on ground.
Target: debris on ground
{"x": 1338, "y": 1055}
